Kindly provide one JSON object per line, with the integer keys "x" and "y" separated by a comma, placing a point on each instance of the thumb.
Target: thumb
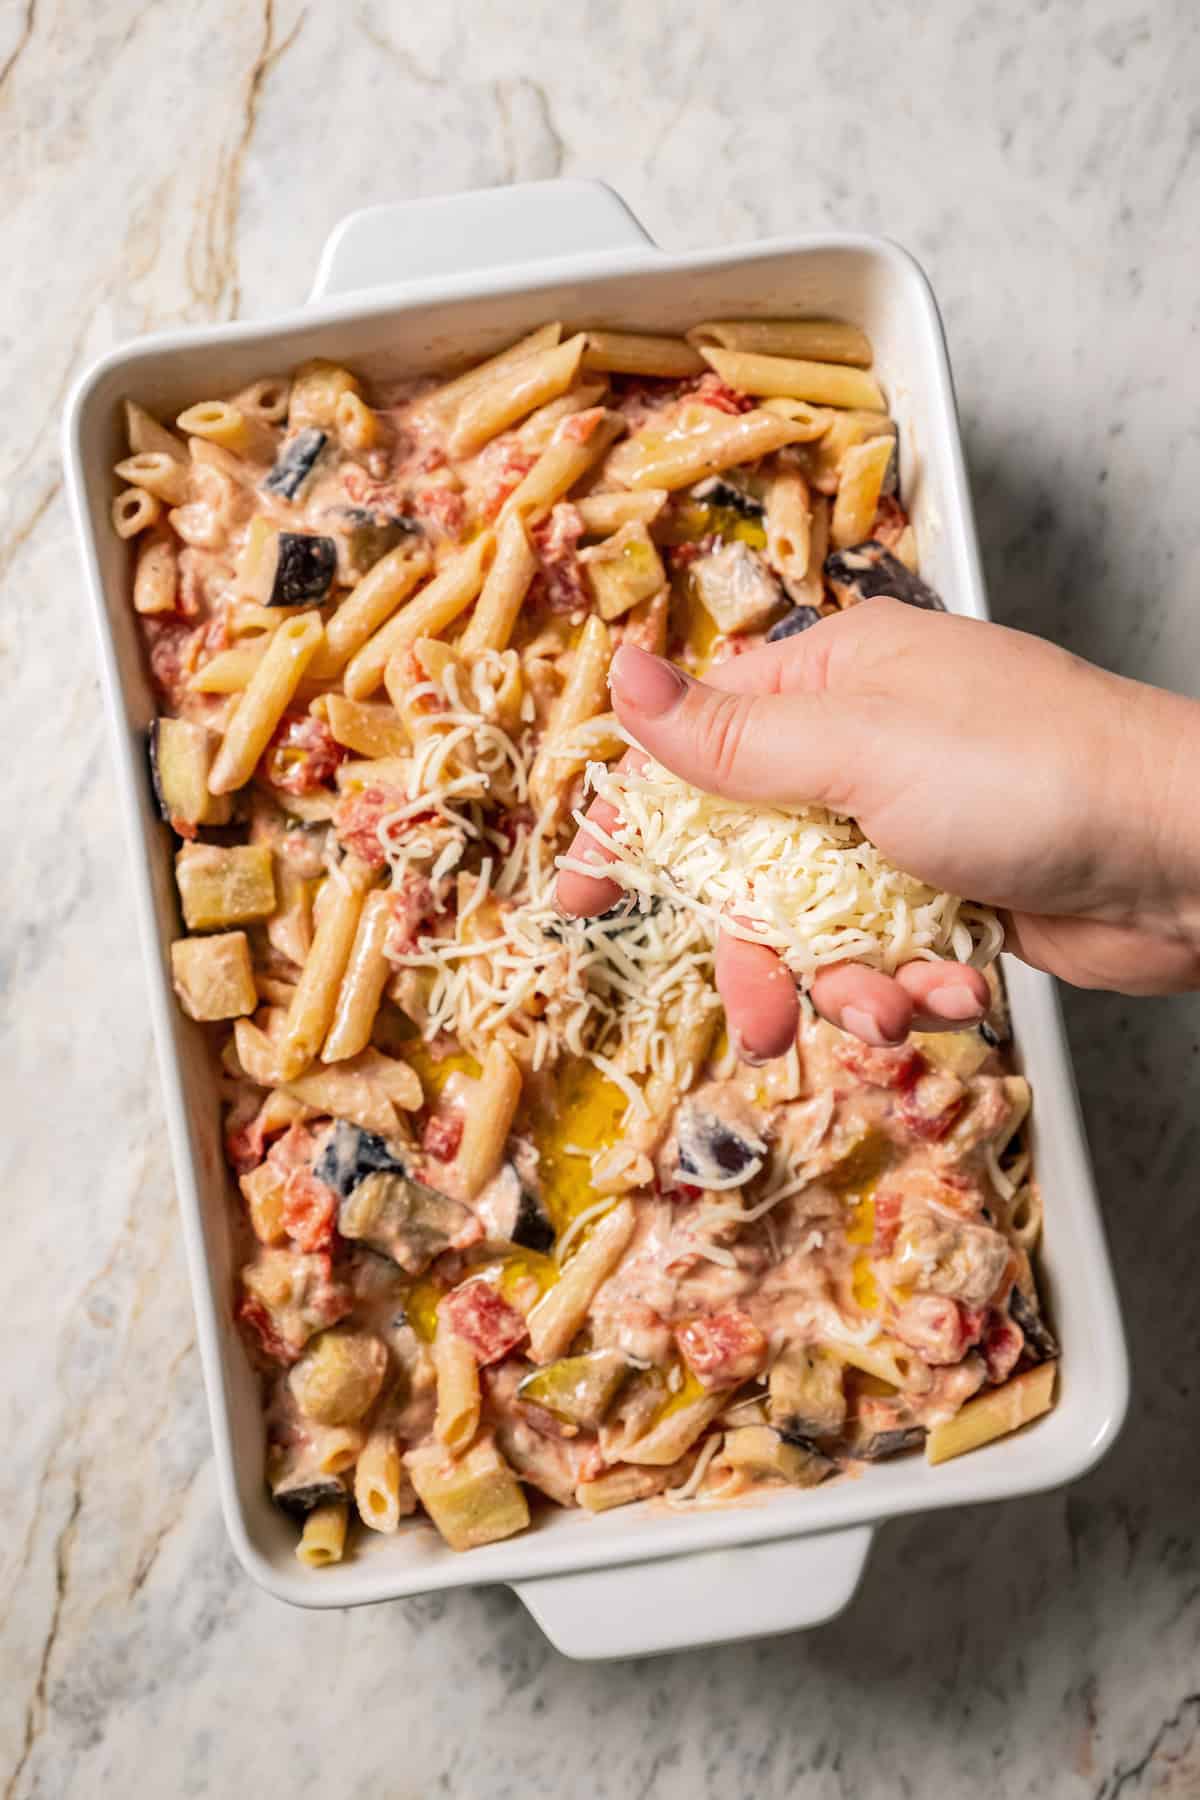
{"x": 771, "y": 748}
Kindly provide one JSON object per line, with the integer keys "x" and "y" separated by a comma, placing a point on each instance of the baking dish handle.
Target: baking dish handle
{"x": 456, "y": 234}
{"x": 710, "y": 1597}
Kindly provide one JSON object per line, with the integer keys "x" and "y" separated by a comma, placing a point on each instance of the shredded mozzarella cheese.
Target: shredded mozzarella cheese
{"x": 803, "y": 880}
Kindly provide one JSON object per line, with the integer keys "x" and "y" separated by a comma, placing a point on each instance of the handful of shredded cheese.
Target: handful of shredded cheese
{"x": 802, "y": 880}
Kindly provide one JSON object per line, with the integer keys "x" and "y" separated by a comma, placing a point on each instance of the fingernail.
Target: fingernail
{"x": 645, "y": 682}
{"x": 863, "y": 1025}
{"x": 957, "y": 1002}
{"x": 744, "y": 1052}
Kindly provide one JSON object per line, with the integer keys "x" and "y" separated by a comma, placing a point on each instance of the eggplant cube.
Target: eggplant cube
{"x": 736, "y": 588}
{"x": 801, "y": 618}
{"x": 351, "y": 1154}
{"x": 221, "y": 886}
{"x": 868, "y": 570}
{"x": 285, "y": 568}
{"x": 213, "y": 976}
{"x": 295, "y": 463}
{"x": 759, "y": 1451}
{"x": 807, "y": 1398}
{"x": 577, "y": 1389}
{"x": 337, "y": 1380}
{"x": 623, "y": 570}
{"x": 473, "y": 1500}
{"x": 402, "y": 1219}
{"x": 712, "y": 1154}
{"x": 181, "y": 755}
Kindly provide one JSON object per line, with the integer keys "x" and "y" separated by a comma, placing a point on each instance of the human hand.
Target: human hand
{"x": 981, "y": 760}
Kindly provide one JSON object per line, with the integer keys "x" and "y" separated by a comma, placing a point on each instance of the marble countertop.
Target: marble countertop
{"x": 166, "y": 164}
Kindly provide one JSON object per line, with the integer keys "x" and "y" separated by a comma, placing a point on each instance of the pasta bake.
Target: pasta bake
{"x": 513, "y": 1219}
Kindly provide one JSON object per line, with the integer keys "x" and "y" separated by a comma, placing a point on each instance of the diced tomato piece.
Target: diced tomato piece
{"x": 939, "y": 1329}
{"x": 254, "y": 1316}
{"x": 560, "y": 579}
{"x": 442, "y": 506}
{"x": 294, "y": 1150}
{"x": 885, "y": 1068}
{"x": 891, "y": 522}
{"x": 723, "y": 1349}
{"x": 1002, "y": 1346}
{"x": 933, "y": 1102}
{"x": 889, "y": 1200}
{"x": 411, "y": 904}
{"x": 246, "y": 1146}
{"x": 511, "y": 467}
{"x": 578, "y": 427}
{"x": 710, "y": 390}
{"x": 357, "y": 818}
{"x": 490, "y": 1325}
{"x": 434, "y": 458}
{"x": 442, "y": 1135}
{"x": 171, "y": 644}
{"x": 309, "y": 1210}
{"x": 302, "y": 756}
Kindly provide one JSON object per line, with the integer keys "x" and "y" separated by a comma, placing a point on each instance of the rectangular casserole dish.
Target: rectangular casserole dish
{"x": 414, "y": 288}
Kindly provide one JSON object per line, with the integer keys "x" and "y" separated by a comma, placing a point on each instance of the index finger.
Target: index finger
{"x": 582, "y": 896}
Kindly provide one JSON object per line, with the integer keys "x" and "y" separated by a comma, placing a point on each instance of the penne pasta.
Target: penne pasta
{"x": 562, "y": 1309}
{"x": 323, "y": 1539}
{"x": 156, "y": 576}
{"x": 584, "y": 696}
{"x": 429, "y": 612}
{"x": 488, "y": 1119}
{"x": 158, "y": 473}
{"x": 144, "y": 434}
{"x": 604, "y": 513}
{"x": 566, "y": 461}
{"x": 491, "y": 623}
{"x": 819, "y": 383}
{"x": 311, "y": 1012}
{"x": 854, "y": 509}
{"x": 815, "y": 340}
{"x": 451, "y": 394}
{"x": 637, "y": 353}
{"x": 383, "y": 1493}
{"x": 369, "y": 605}
{"x": 363, "y": 983}
{"x": 264, "y": 702}
{"x": 513, "y": 393}
{"x": 133, "y": 511}
{"x": 458, "y": 1400}
{"x": 230, "y": 429}
{"x": 678, "y": 458}
{"x": 788, "y": 519}
{"x": 993, "y": 1414}
{"x": 372, "y": 730}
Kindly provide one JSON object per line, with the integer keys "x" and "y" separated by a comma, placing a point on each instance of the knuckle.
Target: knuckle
{"x": 722, "y": 734}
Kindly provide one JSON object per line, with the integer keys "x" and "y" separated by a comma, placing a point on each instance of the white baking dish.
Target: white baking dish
{"x": 409, "y": 288}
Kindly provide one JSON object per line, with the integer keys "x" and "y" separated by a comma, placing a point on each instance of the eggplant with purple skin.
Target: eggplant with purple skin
{"x": 869, "y": 570}
{"x": 295, "y": 463}
{"x": 515, "y": 1214}
{"x": 715, "y": 490}
{"x": 801, "y": 618}
{"x": 1040, "y": 1342}
{"x": 351, "y": 1154}
{"x": 882, "y": 1444}
{"x": 401, "y": 1218}
{"x": 303, "y": 571}
{"x": 181, "y": 756}
{"x": 712, "y": 1154}
{"x": 364, "y": 537}
{"x": 301, "y": 1493}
